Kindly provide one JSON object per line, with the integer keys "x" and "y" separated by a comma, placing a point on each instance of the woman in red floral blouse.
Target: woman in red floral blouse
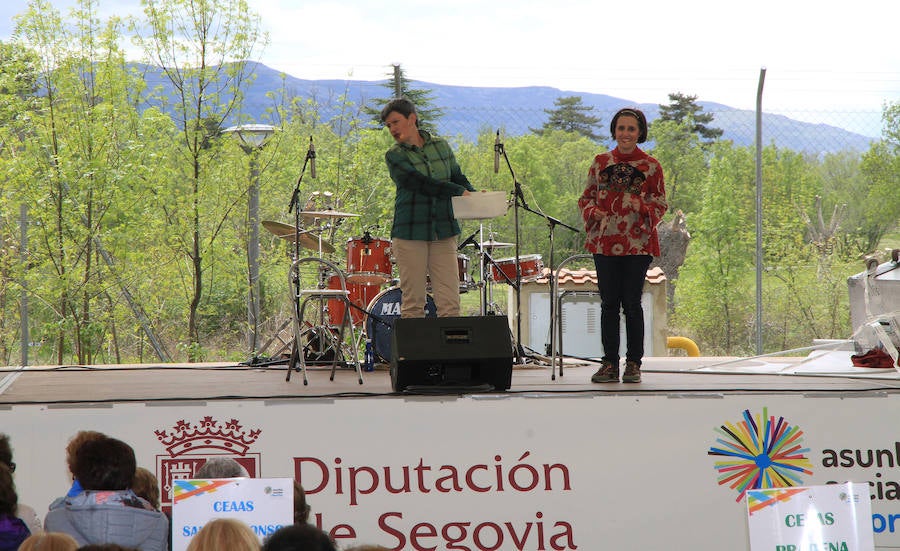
{"x": 623, "y": 201}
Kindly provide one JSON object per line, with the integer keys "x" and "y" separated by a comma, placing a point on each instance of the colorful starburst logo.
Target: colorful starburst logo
{"x": 760, "y": 452}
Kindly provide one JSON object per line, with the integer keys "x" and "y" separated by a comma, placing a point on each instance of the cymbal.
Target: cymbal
{"x": 491, "y": 244}
{"x": 327, "y": 213}
{"x": 288, "y": 231}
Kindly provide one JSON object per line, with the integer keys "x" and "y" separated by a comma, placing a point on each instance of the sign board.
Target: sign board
{"x": 264, "y": 504}
{"x": 835, "y": 517}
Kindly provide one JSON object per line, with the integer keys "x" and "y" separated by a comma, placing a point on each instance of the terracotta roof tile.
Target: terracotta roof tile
{"x": 655, "y": 275}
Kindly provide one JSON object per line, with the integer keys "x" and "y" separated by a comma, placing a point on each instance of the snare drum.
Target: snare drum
{"x": 383, "y": 311}
{"x": 359, "y": 294}
{"x": 369, "y": 260}
{"x": 530, "y": 266}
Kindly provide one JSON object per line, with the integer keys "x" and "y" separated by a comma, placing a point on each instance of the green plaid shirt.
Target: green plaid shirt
{"x": 426, "y": 179}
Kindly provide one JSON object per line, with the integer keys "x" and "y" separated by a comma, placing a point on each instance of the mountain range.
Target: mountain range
{"x": 469, "y": 110}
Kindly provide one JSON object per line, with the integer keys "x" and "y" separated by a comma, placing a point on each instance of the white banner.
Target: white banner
{"x": 522, "y": 471}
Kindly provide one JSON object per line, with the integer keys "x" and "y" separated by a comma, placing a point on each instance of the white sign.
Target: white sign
{"x": 264, "y": 504}
{"x": 835, "y": 517}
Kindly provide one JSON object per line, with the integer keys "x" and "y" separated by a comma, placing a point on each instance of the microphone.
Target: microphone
{"x": 470, "y": 239}
{"x": 311, "y": 155}
{"x": 497, "y": 146}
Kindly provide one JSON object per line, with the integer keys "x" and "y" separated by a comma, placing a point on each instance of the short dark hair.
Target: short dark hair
{"x": 105, "y": 464}
{"x": 5, "y": 451}
{"x": 299, "y": 537}
{"x": 631, "y": 112}
{"x": 9, "y": 499}
{"x": 400, "y": 105}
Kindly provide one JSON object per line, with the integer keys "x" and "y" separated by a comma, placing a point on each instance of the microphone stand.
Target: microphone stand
{"x": 294, "y": 276}
{"x": 519, "y": 200}
{"x": 554, "y": 284}
{"x": 552, "y": 223}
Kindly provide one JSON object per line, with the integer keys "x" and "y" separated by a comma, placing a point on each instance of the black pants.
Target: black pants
{"x": 621, "y": 283}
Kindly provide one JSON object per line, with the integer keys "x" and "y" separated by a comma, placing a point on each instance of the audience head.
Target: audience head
{"x": 224, "y": 534}
{"x": 76, "y": 441}
{"x": 146, "y": 485}
{"x": 221, "y": 467}
{"x": 49, "y": 541}
{"x": 299, "y": 537}
{"x": 105, "y": 464}
{"x": 9, "y": 499}
{"x": 301, "y": 508}
{"x": 6, "y": 456}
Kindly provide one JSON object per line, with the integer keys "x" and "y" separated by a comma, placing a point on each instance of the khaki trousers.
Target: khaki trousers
{"x": 436, "y": 259}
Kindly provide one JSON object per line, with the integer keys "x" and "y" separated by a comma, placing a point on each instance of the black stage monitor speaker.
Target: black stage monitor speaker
{"x": 472, "y": 353}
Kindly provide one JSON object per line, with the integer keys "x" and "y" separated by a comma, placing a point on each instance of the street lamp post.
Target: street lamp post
{"x": 252, "y": 137}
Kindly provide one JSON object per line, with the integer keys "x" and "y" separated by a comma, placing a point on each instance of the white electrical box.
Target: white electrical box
{"x": 580, "y": 319}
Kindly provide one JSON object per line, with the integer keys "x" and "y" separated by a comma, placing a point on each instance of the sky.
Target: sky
{"x": 818, "y": 56}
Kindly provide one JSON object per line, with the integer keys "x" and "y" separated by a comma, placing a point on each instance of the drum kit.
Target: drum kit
{"x": 354, "y": 307}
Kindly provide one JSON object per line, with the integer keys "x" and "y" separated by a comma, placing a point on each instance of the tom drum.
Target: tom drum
{"x": 369, "y": 260}
{"x": 530, "y": 265}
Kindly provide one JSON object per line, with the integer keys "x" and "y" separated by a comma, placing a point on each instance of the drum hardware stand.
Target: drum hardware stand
{"x": 488, "y": 306}
{"x": 278, "y": 357}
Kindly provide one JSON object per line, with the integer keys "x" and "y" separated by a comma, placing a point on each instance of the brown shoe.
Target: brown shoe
{"x": 632, "y": 372}
{"x": 608, "y": 373}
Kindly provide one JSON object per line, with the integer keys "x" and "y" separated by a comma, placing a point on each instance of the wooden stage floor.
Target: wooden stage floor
{"x": 229, "y": 381}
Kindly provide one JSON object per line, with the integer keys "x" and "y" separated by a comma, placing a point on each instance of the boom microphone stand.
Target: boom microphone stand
{"x": 552, "y": 222}
{"x": 517, "y": 191}
{"x": 294, "y": 276}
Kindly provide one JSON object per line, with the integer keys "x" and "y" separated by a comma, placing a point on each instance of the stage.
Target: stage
{"x": 515, "y": 469}
{"x": 49, "y": 385}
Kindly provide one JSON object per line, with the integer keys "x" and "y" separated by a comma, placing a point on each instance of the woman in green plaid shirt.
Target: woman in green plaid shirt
{"x": 424, "y": 232}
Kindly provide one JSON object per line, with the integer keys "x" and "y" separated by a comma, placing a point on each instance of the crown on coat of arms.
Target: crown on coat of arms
{"x": 208, "y": 434}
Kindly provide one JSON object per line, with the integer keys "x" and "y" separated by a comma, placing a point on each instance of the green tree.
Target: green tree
{"x": 683, "y": 107}
{"x": 400, "y": 86}
{"x": 202, "y": 48}
{"x": 18, "y": 87}
{"x": 880, "y": 168}
{"x": 74, "y": 150}
{"x": 716, "y": 279}
{"x": 571, "y": 115}
{"x": 684, "y": 163}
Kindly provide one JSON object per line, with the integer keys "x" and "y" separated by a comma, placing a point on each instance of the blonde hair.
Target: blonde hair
{"x": 224, "y": 534}
{"x": 49, "y": 541}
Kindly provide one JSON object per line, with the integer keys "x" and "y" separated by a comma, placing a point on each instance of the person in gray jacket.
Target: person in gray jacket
{"x": 108, "y": 511}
